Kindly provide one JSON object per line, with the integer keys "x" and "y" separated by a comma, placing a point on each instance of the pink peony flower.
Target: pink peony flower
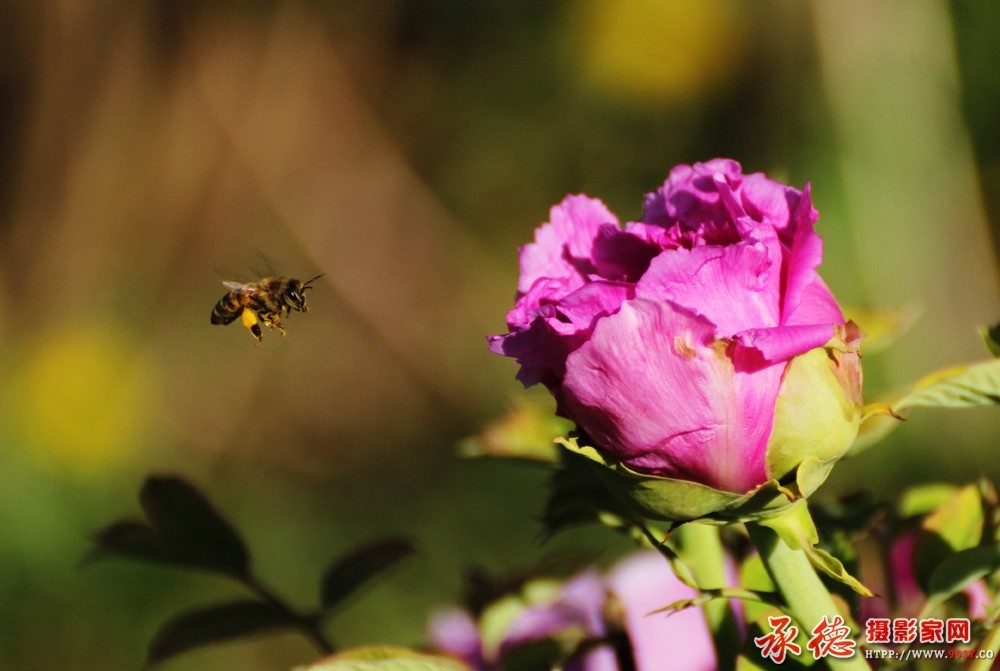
{"x": 667, "y": 341}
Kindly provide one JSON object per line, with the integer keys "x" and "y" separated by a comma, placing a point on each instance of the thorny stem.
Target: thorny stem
{"x": 702, "y": 548}
{"x": 805, "y": 597}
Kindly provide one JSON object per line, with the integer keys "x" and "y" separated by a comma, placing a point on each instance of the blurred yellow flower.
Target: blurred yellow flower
{"x": 655, "y": 52}
{"x": 80, "y": 396}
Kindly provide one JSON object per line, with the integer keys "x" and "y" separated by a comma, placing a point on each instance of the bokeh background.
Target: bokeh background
{"x": 149, "y": 150}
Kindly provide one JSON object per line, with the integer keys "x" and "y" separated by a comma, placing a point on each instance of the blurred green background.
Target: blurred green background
{"x": 406, "y": 148}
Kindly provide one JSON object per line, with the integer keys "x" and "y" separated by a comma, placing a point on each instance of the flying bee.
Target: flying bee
{"x": 262, "y": 301}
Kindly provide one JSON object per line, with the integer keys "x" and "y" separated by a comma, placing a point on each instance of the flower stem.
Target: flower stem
{"x": 805, "y": 597}
{"x": 991, "y": 642}
{"x": 702, "y": 550}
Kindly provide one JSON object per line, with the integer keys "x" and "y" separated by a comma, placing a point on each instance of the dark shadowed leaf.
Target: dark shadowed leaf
{"x": 541, "y": 654}
{"x": 131, "y": 538}
{"x": 214, "y": 624}
{"x": 962, "y": 569}
{"x": 577, "y": 496}
{"x": 351, "y": 571}
{"x": 991, "y": 336}
{"x": 186, "y": 520}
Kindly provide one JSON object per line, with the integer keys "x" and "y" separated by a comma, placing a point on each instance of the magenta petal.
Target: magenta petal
{"x": 562, "y": 247}
{"x": 816, "y": 306}
{"x": 540, "y": 353}
{"x": 776, "y": 345}
{"x": 735, "y": 287}
{"x": 578, "y": 311}
{"x": 689, "y": 195}
{"x": 653, "y": 388}
{"x": 620, "y": 255}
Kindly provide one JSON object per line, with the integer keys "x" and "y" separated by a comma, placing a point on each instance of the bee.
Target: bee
{"x": 262, "y": 301}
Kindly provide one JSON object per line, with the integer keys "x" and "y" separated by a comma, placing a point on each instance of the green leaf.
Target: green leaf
{"x": 922, "y": 499}
{"x": 351, "y": 571}
{"x": 214, "y": 624}
{"x": 527, "y": 431}
{"x": 385, "y": 659}
{"x": 962, "y": 569}
{"x": 186, "y": 521}
{"x": 991, "y": 336}
{"x": 959, "y": 387}
{"x": 959, "y": 521}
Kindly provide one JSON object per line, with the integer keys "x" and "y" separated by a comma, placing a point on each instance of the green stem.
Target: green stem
{"x": 991, "y": 642}
{"x": 805, "y": 597}
{"x": 702, "y": 550}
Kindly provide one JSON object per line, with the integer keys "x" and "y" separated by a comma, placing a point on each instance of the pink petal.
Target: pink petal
{"x": 779, "y": 344}
{"x": 652, "y": 387}
{"x": 735, "y": 287}
{"x": 562, "y": 247}
{"x": 455, "y": 632}
{"x": 578, "y": 312}
{"x": 781, "y": 206}
{"x": 689, "y": 194}
{"x": 816, "y": 306}
{"x": 645, "y": 583}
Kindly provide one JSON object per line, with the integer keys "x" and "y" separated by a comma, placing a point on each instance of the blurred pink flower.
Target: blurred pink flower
{"x": 666, "y": 341}
{"x": 641, "y": 583}
{"x": 680, "y": 641}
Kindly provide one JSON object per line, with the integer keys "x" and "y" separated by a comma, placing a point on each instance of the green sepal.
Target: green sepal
{"x": 817, "y": 415}
{"x": 883, "y": 327}
{"x": 385, "y": 658}
{"x": 796, "y": 528}
{"x": 673, "y": 500}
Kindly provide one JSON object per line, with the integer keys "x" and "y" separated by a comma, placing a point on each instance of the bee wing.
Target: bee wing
{"x": 241, "y": 287}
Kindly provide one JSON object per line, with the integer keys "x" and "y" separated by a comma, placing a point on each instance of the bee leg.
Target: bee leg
{"x": 249, "y": 320}
{"x": 273, "y": 320}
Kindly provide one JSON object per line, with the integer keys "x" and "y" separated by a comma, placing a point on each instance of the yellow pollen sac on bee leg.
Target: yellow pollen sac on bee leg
{"x": 248, "y": 318}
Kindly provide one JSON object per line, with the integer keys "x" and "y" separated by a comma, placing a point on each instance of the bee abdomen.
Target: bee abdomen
{"x": 224, "y": 313}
